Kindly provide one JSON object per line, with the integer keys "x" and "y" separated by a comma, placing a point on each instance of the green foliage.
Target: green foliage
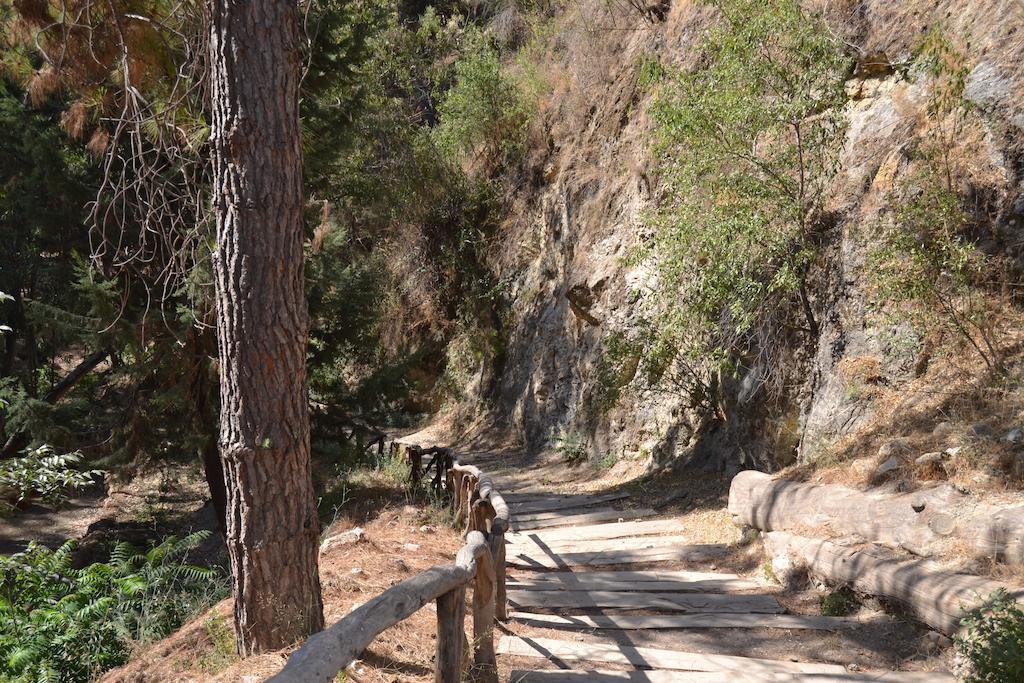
{"x": 348, "y": 369}
{"x": 651, "y": 71}
{"x": 485, "y": 113}
{"x": 67, "y": 624}
{"x": 571, "y": 447}
{"x": 398, "y": 243}
{"x": 768, "y": 571}
{"x": 608, "y": 460}
{"x": 839, "y": 603}
{"x": 992, "y": 641}
{"x": 40, "y": 474}
{"x": 747, "y": 144}
{"x": 616, "y": 367}
{"x": 926, "y": 261}
{"x": 222, "y": 637}
{"x": 44, "y": 187}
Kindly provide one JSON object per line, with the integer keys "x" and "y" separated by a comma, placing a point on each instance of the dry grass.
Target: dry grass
{"x": 958, "y": 390}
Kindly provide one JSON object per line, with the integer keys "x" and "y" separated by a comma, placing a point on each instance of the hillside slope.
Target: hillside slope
{"x": 589, "y": 186}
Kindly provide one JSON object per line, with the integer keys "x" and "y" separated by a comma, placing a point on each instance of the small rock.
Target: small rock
{"x": 936, "y": 641}
{"x": 982, "y": 431}
{"x": 344, "y": 538}
{"x": 411, "y": 547}
{"x": 873, "y": 604}
{"x": 929, "y": 458}
{"x": 355, "y": 570}
{"x": 893, "y": 448}
{"x": 428, "y": 529}
{"x": 943, "y": 430}
{"x": 954, "y": 451}
{"x": 1015, "y": 435}
{"x": 887, "y": 466}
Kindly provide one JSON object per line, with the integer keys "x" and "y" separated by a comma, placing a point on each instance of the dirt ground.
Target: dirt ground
{"x": 139, "y": 506}
{"x": 399, "y": 542}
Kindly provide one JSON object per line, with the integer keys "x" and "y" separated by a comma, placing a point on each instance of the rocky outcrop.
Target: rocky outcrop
{"x": 569, "y": 236}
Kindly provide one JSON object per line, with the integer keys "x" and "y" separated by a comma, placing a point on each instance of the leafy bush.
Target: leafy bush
{"x": 839, "y": 603}
{"x": 991, "y": 642}
{"x": 608, "y": 460}
{"x": 64, "y": 624}
{"x": 926, "y": 261}
{"x": 42, "y": 475}
{"x": 485, "y": 112}
{"x": 571, "y": 447}
{"x": 747, "y": 145}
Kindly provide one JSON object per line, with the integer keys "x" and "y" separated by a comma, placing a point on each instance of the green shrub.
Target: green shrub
{"x": 608, "y": 460}
{"x": 747, "y": 146}
{"x": 571, "y": 447}
{"x": 992, "y": 641}
{"x": 222, "y": 637}
{"x": 64, "y": 624}
{"x": 839, "y": 603}
{"x": 925, "y": 260}
{"x": 485, "y": 112}
{"x": 768, "y": 570}
{"x": 42, "y": 475}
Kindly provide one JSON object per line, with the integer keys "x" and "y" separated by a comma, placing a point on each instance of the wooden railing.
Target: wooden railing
{"x": 483, "y": 514}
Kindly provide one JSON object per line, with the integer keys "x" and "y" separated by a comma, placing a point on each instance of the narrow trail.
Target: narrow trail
{"x": 602, "y": 590}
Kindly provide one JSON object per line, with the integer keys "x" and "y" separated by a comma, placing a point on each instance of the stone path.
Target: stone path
{"x": 586, "y": 580}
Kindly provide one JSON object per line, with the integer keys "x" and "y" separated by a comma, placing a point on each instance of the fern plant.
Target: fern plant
{"x": 64, "y": 624}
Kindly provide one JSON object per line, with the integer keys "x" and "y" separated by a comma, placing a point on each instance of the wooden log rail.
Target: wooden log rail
{"x": 928, "y": 522}
{"x": 334, "y": 423}
{"x": 480, "y": 562}
{"x": 933, "y": 595}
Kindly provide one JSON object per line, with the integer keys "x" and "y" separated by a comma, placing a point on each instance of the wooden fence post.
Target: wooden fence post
{"x": 451, "y": 635}
{"x": 415, "y": 465}
{"x": 497, "y": 543}
{"x": 472, "y": 495}
{"x": 458, "y": 491}
{"x": 485, "y": 667}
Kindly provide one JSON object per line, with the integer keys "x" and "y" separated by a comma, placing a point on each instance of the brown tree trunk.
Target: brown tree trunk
{"x": 204, "y": 422}
{"x": 262, "y": 323}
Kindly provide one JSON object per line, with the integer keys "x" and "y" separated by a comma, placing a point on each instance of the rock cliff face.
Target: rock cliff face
{"x": 591, "y": 184}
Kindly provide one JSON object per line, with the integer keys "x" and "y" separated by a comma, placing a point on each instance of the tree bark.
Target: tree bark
{"x": 262, "y": 322}
{"x": 204, "y": 422}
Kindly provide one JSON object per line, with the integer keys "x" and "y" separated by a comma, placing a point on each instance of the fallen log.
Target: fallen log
{"x": 937, "y": 597}
{"x": 925, "y": 522}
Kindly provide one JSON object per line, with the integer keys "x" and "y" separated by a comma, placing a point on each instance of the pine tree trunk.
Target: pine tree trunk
{"x": 262, "y": 322}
